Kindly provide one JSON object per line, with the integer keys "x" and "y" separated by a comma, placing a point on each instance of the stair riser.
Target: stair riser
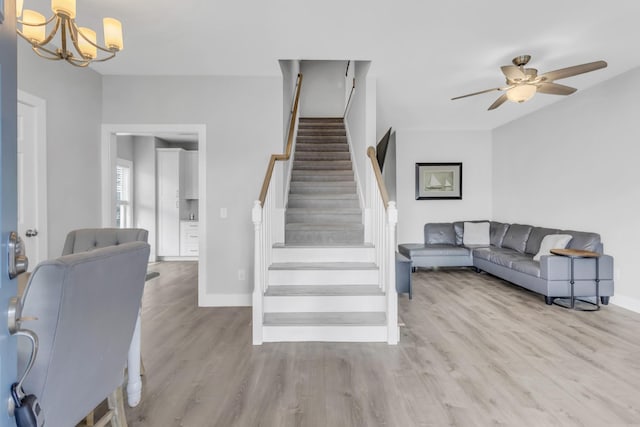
{"x": 323, "y": 238}
{"x": 323, "y": 188}
{"x": 323, "y": 204}
{"x": 312, "y": 254}
{"x": 319, "y": 148}
{"x": 322, "y": 165}
{"x": 321, "y": 178}
{"x": 320, "y": 126}
{"x": 324, "y": 219}
{"x": 321, "y": 132}
{"x": 302, "y": 139}
{"x": 323, "y": 277}
{"x": 293, "y": 304}
{"x": 322, "y": 155}
{"x": 324, "y": 333}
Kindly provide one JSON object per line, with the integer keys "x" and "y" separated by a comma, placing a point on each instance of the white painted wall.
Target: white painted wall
{"x": 323, "y": 89}
{"x": 574, "y": 165}
{"x": 74, "y": 112}
{"x": 356, "y": 120}
{"x": 125, "y": 147}
{"x": 144, "y": 194}
{"x": 243, "y": 118}
{"x": 472, "y": 148}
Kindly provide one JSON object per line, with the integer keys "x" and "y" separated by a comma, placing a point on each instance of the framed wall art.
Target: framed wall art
{"x": 438, "y": 181}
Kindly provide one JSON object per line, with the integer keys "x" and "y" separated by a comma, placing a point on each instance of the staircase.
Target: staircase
{"x": 323, "y": 282}
{"x": 323, "y": 206}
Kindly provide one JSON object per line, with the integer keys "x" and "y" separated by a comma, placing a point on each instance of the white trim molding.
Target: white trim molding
{"x": 224, "y": 300}
{"x": 624, "y": 301}
{"x": 108, "y": 153}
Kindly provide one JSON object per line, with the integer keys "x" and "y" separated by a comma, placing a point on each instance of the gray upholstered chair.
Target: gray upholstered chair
{"x": 86, "y": 305}
{"x": 87, "y": 239}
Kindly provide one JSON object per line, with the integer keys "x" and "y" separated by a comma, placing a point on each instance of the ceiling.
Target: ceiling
{"x": 423, "y": 53}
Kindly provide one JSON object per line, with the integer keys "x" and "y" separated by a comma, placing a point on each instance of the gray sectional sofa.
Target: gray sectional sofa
{"x": 510, "y": 257}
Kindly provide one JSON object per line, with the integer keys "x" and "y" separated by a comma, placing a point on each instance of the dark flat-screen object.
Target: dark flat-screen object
{"x": 381, "y": 148}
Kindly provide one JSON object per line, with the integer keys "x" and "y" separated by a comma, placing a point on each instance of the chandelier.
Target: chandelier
{"x": 77, "y": 45}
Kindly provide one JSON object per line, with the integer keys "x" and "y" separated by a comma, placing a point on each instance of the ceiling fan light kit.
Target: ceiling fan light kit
{"x": 77, "y": 45}
{"x": 523, "y": 83}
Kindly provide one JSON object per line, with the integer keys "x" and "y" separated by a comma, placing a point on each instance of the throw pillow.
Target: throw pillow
{"x": 476, "y": 233}
{"x": 552, "y": 241}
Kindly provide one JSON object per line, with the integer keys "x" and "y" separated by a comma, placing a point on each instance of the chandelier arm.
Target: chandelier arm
{"x": 77, "y": 62}
{"x": 105, "y": 58}
{"x": 46, "y": 40}
{"x": 55, "y": 56}
{"x": 54, "y": 16}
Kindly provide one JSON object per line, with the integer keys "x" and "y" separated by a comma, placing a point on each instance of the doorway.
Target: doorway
{"x": 110, "y": 136}
{"x": 32, "y": 177}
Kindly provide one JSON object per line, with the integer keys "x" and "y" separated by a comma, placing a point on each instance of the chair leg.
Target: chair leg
{"x": 116, "y": 404}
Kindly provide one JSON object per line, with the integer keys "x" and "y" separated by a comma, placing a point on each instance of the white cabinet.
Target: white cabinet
{"x": 171, "y": 205}
{"x": 191, "y": 188}
{"x": 189, "y": 238}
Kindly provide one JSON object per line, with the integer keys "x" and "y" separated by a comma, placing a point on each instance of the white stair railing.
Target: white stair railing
{"x": 263, "y": 216}
{"x": 384, "y": 220}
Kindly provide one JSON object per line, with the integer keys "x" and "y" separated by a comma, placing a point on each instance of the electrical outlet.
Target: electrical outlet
{"x": 242, "y": 275}
{"x": 223, "y": 213}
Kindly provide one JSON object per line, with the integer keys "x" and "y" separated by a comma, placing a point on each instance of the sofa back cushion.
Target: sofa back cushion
{"x": 516, "y": 237}
{"x": 476, "y": 233}
{"x": 584, "y": 241}
{"x": 497, "y": 231}
{"x": 535, "y": 238}
{"x": 458, "y": 226}
{"x": 439, "y": 233}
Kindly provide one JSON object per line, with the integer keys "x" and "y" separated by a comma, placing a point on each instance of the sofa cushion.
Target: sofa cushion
{"x": 497, "y": 230}
{"x": 486, "y": 252}
{"x": 416, "y": 250}
{"x": 530, "y": 267}
{"x": 584, "y": 241}
{"x": 552, "y": 241}
{"x": 507, "y": 258}
{"x": 516, "y": 237}
{"x": 476, "y": 233}
{"x": 535, "y": 238}
{"x": 439, "y": 233}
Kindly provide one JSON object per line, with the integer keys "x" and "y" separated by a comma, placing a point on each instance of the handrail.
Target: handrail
{"x": 346, "y": 107}
{"x": 371, "y": 153}
{"x": 287, "y": 153}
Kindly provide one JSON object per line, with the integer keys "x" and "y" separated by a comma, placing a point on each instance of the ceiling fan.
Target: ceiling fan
{"x": 523, "y": 83}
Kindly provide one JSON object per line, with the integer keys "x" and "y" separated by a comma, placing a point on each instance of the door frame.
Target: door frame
{"x": 40, "y": 107}
{"x": 109, "y": 149}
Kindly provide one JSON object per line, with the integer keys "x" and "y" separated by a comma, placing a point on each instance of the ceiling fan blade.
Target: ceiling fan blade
{"x": 563, "y": 73}
{"x": 555, "y": 89}
{"x": 501, "y": 100}
{"x": 511, "y": 72}
{"x": 481, "y": 92}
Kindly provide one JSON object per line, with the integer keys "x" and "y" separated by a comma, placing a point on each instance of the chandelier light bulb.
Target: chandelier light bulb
{"x": 30, "y": 29}
{"x": 64, "y": 7}
{"x": 87, "y": 49}
{"x": 112, "y": 34}
{"x": 19, "y": 6}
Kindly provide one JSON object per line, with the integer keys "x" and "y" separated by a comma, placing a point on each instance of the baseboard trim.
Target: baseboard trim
{"x": 629, "y": 303}
{"x": 224, "y": 300}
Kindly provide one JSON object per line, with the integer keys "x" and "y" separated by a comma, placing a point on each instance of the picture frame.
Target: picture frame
{"x": 438, "y": 181}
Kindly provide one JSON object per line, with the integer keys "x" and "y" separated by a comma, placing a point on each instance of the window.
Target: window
{"x": 124, "y": 193}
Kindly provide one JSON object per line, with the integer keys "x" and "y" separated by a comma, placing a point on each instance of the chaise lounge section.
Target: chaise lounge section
{"x": 511, "y": 252}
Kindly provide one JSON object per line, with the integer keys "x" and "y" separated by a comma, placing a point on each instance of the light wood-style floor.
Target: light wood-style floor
{"x": 474, "y": 351}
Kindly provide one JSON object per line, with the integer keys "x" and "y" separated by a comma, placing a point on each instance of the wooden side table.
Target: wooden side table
{"x": 574, "y": 254}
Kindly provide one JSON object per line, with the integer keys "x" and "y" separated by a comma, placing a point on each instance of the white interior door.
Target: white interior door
{"x": 32, "y": 178}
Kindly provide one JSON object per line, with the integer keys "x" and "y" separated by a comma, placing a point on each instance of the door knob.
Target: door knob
{"x": 31, "y": 233}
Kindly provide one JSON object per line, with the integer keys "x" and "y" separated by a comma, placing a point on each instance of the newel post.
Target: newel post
{"x": 256, "y": 217}
{"x": 393, "y": 332}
